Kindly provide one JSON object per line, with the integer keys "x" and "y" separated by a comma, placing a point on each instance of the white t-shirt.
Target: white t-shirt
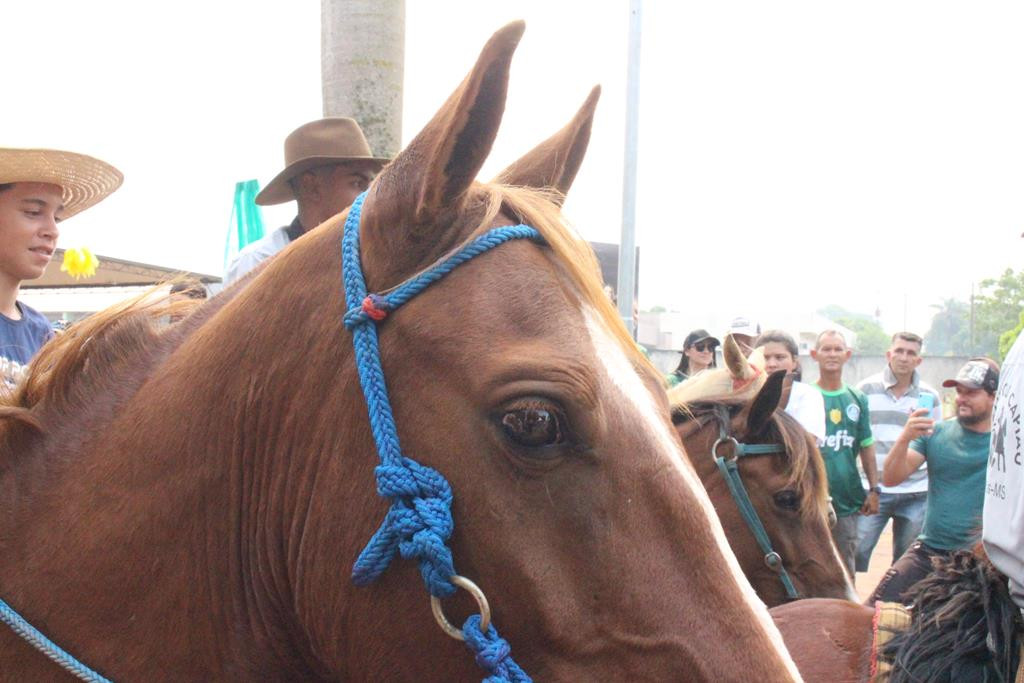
{"x": 1003, "y": 520}
{"x": 807, "y": 406}
{"x": 254, "y": 254}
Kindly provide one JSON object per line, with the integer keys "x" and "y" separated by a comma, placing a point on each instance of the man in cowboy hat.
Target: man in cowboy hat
{"x": 38, "y": 189}
{"x": 328, "y": 163}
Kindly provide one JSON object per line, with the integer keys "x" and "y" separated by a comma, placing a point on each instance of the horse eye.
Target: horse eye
{"x": 534, "y": 426}
{"x": 787, "y": 500}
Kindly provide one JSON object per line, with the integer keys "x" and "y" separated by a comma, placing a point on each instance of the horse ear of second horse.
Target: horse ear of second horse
{"x": 765, "y": 403}
{"x": 555, "y": 162}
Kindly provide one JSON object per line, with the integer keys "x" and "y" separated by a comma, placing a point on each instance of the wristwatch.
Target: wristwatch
{"x": 876, "y": 489}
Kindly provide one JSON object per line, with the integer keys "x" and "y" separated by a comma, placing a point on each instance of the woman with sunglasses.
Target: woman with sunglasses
{"x": 698, "y": 354}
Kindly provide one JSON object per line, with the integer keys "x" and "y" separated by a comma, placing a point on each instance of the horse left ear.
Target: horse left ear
{"x": 765, "y": 403}
{"x": 429, "y": 179}
{"x": 737, "y": 363}
{"x": 555, "y": 162}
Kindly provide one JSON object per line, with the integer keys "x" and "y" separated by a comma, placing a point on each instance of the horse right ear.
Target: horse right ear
{"x": 428, "y": 180}
{"x": 787, "y": 391}
{"x": 555, "y": 162}
{"x": 765, "y": 403}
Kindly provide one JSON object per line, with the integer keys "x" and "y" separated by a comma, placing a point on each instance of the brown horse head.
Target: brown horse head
{"x": 203, "y": 517}
{"x": 789, "y": 490}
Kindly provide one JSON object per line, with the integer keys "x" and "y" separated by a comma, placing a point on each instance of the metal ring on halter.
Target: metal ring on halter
{"x": 720, "y": 441}
{"x": 481, "y": 602}
{"x": 774, "y": 561}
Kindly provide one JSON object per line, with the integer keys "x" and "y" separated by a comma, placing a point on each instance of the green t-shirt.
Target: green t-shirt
{"x": 847, "y": 430}
{"x": 957, "y": 459}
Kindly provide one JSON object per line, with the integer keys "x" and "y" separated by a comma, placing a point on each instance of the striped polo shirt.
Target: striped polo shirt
{"x": 889, "y": 414}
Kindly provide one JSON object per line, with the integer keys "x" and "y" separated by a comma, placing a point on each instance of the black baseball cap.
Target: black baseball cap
{"x": 977, "y": 373}
{"x": 699, "y": 336}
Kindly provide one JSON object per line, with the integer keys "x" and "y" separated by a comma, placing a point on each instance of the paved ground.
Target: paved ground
{"x": 880, "y": 561}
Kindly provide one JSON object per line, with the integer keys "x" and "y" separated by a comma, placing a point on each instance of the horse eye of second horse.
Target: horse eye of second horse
{"x": 787, "y": 499}
{"x": 533, "y": 426}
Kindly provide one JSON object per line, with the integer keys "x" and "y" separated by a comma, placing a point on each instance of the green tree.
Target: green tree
{"x": 997, "y": 310}
{"x": 871, "y": 338}
{"x": 1007, "y": 338}
{"x": 949, "y": 334}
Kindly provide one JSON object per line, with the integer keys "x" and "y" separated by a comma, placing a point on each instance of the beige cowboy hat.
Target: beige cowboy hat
{"x": 323, "y": 142}
{"x": 83, "y": 179}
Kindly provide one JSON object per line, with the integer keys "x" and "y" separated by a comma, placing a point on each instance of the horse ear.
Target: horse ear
{"x": 431, "y": 175}
{"x": 555, "y": 162}
{"x": 787, "y": 391}
{"x": 737, "y": 363}
{"x": 765, "y": 403}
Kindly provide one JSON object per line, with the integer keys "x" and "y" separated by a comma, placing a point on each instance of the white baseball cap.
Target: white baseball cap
{"x": 747, "y": 326}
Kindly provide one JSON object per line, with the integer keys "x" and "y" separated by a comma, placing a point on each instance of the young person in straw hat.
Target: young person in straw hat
{"x": 328, "y": 163}
{"x": 38, "y": 189}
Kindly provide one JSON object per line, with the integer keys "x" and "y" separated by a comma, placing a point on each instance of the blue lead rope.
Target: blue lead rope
{"x": 419, "y": 521}
{"x": 49, "y": 648}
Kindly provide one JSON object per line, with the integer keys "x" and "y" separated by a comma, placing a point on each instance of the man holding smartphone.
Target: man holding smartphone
{"x": 893, "y": 395}
{"x": 956, "y": 451}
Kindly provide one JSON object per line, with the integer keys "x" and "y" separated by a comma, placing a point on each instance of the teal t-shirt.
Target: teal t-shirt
{"x": 847, "y": 430}
{"x": 957, "y": 459}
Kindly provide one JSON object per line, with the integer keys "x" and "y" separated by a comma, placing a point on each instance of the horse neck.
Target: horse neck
{"x": 196, "y": 534}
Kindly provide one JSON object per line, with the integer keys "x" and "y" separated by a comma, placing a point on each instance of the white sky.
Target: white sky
{"x": 792, "y": 154}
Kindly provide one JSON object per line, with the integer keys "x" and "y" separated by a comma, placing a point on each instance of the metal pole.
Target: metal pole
{"x": 626, "y": 286}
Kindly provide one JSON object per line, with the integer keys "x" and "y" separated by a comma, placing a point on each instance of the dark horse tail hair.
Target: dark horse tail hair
{"x": 964, "y": 626}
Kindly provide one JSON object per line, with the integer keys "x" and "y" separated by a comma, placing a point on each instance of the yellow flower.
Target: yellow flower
{"x": 79, "y": 263}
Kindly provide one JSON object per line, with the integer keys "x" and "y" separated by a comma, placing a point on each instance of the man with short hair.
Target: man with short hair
{"x": 892, "y": 395}
{"x": 328, "y": 163}
{"x": 957, "y": 452}
{"x": 38, "y": 189}
{"x": 848, "y": 435}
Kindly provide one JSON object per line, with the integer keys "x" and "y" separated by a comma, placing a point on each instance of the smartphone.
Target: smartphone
{"x": 925, "y": 401}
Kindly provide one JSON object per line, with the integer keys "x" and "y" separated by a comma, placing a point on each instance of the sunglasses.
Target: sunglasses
{"x": 705, "y": 346}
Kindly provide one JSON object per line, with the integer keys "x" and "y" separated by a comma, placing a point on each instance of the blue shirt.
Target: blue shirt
{"x": 20, "y": 339}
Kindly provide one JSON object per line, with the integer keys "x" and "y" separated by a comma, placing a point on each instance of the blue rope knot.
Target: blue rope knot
{"x": 373, "y": 307}
{"x": 418, "y": 526}
{"x": 492, "y": 653}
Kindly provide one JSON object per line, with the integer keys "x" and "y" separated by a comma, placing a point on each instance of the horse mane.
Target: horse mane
{"x": 97, "y": 363}
{"x": 802, "y": 456}
{"x": 964, "y": 625}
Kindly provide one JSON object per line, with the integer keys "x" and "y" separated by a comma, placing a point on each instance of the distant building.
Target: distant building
{"x": 59, "y": 296}
{"x": 608, "y": 258}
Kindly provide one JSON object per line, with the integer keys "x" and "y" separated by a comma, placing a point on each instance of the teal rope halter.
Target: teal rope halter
{"x": 419, "y": 522}
{"x": 729, "y": 467}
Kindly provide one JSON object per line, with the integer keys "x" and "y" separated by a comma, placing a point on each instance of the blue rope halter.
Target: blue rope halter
{"x": 36, "y": 639}
{"x": 419, "y": 521}
{"x": 729, "y": 467}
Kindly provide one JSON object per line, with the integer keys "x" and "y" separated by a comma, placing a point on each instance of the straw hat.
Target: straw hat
{"x": 319, "y": 143}
{"x": 83, "y": 179}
